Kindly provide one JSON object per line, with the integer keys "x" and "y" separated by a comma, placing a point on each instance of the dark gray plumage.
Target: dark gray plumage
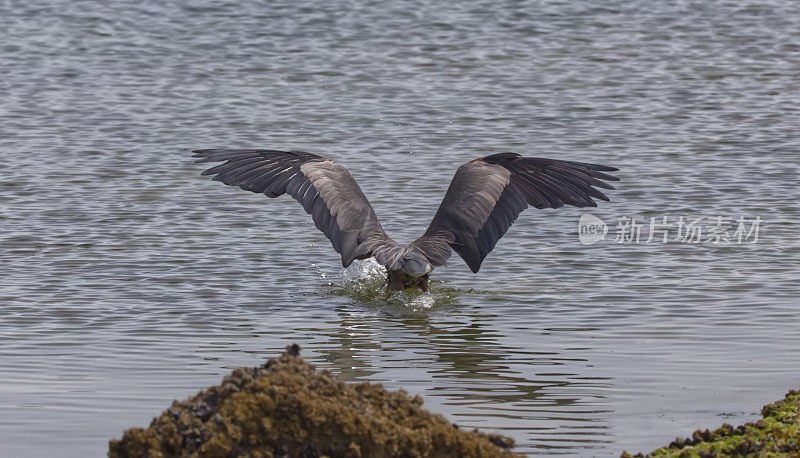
{"x": 487, "y": 194}
{"x": 484, "y": 198}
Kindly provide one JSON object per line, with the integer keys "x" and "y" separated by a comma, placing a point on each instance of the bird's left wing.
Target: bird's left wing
{"x": 487, "y": 194}
{"x": 326, "y": 190}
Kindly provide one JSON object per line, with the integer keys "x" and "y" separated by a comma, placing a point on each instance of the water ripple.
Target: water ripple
{"x": 127, "y": 280}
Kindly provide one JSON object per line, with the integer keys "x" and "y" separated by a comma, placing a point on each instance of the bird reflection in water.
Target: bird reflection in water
{"x": 473, "y": 375}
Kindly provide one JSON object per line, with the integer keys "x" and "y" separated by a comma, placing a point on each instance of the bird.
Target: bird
{"x": 484, "y": 198}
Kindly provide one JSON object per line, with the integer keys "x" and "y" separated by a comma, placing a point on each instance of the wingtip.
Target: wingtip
{"x": 598, "y": 167}
{"x": 475, "y": 267}
{"x": 202, "y": 155}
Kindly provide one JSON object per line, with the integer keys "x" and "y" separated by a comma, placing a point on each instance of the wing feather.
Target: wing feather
{"x": 554, "y": 200}
{"x": 486, "y": 196}
{"x": 577, "y": 182}
{"x": 259, "y": 182}
{"x": 325, "y": 189}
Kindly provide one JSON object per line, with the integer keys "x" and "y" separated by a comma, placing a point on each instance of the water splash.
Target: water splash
{"x": 365, "y": 282}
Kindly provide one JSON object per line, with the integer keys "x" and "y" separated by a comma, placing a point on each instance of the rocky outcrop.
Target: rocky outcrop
{"x": 287, "y": 408}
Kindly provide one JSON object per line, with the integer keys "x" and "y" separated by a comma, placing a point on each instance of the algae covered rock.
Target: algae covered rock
{"x": 777, "y": 434}
{"x": 287, "y": 408}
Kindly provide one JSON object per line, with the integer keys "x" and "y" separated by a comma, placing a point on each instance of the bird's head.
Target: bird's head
{"x": 415, "y": 265}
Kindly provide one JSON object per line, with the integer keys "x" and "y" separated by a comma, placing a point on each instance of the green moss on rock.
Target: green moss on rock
{"x": 287, "y": 408}
{"x": 777, "y": 434}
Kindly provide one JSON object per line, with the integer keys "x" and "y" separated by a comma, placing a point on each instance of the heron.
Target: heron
{"x": 484, "y": 198}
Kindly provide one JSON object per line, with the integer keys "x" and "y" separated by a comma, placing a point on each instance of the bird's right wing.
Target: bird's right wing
{"x": 326, "y": 190}
{"x": 487, "y": 194}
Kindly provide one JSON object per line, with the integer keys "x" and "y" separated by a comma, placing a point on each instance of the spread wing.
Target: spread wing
{"x": 487, "y": 194}
{"x": 326, "y": 190}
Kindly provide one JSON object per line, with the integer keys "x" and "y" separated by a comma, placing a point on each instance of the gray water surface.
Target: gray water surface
{"x": 128, "y": 280}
